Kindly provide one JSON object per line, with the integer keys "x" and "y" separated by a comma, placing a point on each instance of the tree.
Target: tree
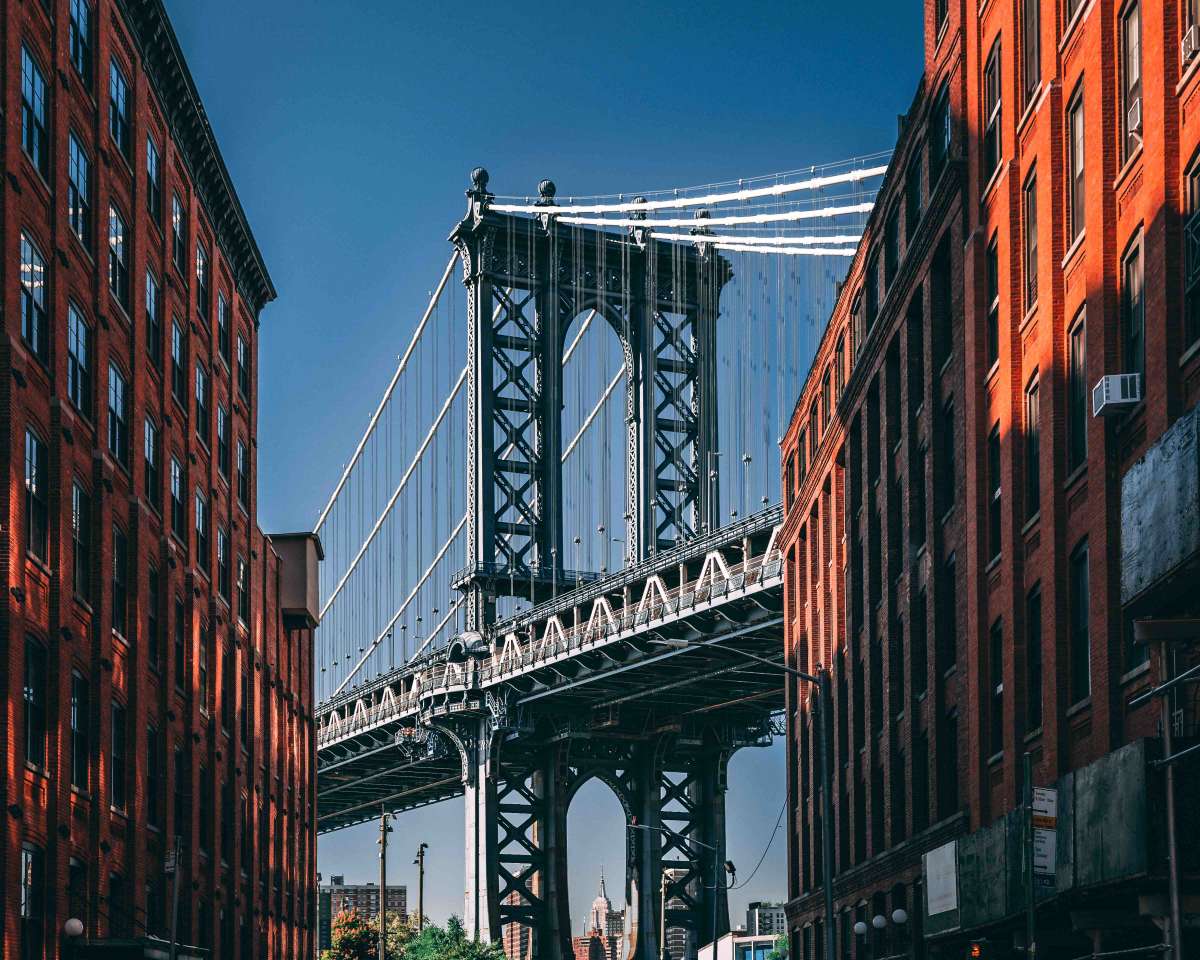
{"x": 451, "y": 943}
{"x": 353, "y": 937}
{"x": 779, "y": 950}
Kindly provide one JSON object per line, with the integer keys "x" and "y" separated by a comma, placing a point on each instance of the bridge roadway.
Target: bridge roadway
{"x": 580, "y": 686}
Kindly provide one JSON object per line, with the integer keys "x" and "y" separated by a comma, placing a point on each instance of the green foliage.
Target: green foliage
{"x": 450, "y": 943}
{"x": 779, "y": 950}
{"x": 352, "y": 937}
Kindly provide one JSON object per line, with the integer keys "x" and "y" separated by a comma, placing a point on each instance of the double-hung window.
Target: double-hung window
{"x": 120, "y": 771}
{"x": 178, "y": 512}
{"x": 79, "y": 360}
{"x": 35, "y": 136}
{"x": 202, "y": 543}
{"x": 203, "y": 413}
{"x": 178, "y": 235}
{"x": 991, "y": 113}
{"x": 1131, "y": 78}
{"x": 1133, "y": 312}
{"x": 34, "y": 329}
{"x": 120, "y": 582}
{"x": 1075, "y": 168}
{"x": 1077, "y": 394}
{"x": 153, "y": 474}
{"x": 118, "y": 257}
{"x": 1191, "y": 239}
{"x": 1031, "y": 24}
{"x": 35, "y": 703}
{"x": 1030, "y": 240}
{"x": 203, "y": 295}
{"x": 993, "y": 302}
{"x": 81, "y": 40}
{"x": 243, "y": 367}
{"x": 1033, "y": 448}
{"x": 1079, "y": 637}
{"x": 994, "y": 493}
{"x": 154, "y": 188}
{"x": 37, "y": 497}
{"x": 120, "y": 123}
{"x": 223, "y": 440}
{"x": 223, "y": 326}
{"x": 80, "y": 725}
{"x": 81, "y": 541}
{"x": 118, "y": 415}
{"x": 154, "y": 328}
{"x": 223, "y": 568}
{"x": 79, "y": 191}
{"x": 243, "y": 474}
{"x": 178, "y": 362}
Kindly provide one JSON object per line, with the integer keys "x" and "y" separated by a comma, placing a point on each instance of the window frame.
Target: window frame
{"x": 154, "y": 324}
{"x": 1076, "y": 143}
{"x": 81, "y": 46}
{"x": 1130, "y": 67}
{"x": 118, "y": 780}
{"x": 995, "y": 494}
{"x": 118, "y": 416}
{"x": 35, "y": 703}
{"x": 120, "y": 116}
{"x": 154, "y": 181}
{"x": 1077, "y": 393}
{"x": 79, "y": 724}
{"x": 79, "y": 191}
{"x": 34, "y": 281}
{"x": 1033, "y": 446}
{"x": 1133, "y": 309}
{"x": 992, "y": 300}
{"x": 119, "y": 607}
{"x": 35, "y": 113}
{"x": 37, "y": 496}
{"x": 81, "y": 541}
{"x": 1029, "y": 238}
{"x": 1079, "y": 623}
{"x": 118, "y": 257}
{"x": 992, "y": 89}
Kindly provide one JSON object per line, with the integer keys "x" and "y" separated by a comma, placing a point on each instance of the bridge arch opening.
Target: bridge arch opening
{"x": 594, "y": 425}
{"x": 596, "y": 852}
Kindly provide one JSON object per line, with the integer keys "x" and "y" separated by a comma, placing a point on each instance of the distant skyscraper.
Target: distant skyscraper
{"x": 603, "y": 930}
{"x": 764, "y": 919}
{"x": 677, "y": 937}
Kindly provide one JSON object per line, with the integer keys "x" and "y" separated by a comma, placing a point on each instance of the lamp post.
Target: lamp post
{"x": 822, "y": 721}
{"x": 420, "y": 863}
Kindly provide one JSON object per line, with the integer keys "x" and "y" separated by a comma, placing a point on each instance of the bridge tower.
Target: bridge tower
{"x": 527, "y": 279}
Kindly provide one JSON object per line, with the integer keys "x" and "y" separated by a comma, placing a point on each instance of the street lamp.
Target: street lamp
{"x": 824, "y": 724}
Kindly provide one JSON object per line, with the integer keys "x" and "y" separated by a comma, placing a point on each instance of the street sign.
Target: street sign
{"x": 1045, "y": 836}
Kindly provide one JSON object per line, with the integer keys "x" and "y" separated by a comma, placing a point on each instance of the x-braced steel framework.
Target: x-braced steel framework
{"x": 527, "y": 279}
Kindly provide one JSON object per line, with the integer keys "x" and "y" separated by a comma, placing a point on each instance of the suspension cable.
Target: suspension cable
{"x": 404, "y": 606}
{"x": 595, "y": 411}
{"x": 399, "y": 489}
{"x": 387, "y": 394}
{"x": 777, "y": 240}
{"x": 785, "y": 216}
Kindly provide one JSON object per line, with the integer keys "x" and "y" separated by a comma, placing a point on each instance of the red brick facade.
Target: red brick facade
{"x": 153, "y": 685}
{"x": 960, "y": 485}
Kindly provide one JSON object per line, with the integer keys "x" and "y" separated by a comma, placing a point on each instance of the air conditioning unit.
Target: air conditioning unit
{"x": 1116, "y": 393}
{"x": 1133, "y": 119}
{"x": 1190, "y": 45}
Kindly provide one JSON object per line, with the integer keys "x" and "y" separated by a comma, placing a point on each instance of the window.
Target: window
{"x": 81, "y": 40}
{"x": 81, "y": 538}
{"x": 1033, "y": 448}
{"x": 949, "y": 469}
{"x": 203, "y": 294}
{"x": 1131, "y": 78}
{"x": 178, "y": 362}
{"x": 119, "y": 122}
{"x": 991, "y": 105}
{"x": 1077, "y": 394}
{"x": 939, "y": 134}
{"x": 993, "y": 302}
{"x": 154, "y": 327}
{"x": 243, "y": 366}
{"x": 941, "y": 8}
{"x": 80, "y": 724}
{"x": 1191, "y": 318}
{"x": 1080, "y": 641}
{"x": 179, "y": 642}
{"x": 178, "y": 235}
{"x": 34, "y": 133}
{"x": 79, "y": 191}
{"x": 223, "y": 440}
{"x": 223, "y": 562}
{"x": 153, "y": 782}
{"x": 178, "y": 522}
{"x": 891, "y": 247}
{"x": 912, "y": 198}
{"x": 826, "y": 403}
{"x": 202, "y": 667}
{"x": 243, "y": 592}
{"x": 202, "y": 545}
{"x": 153, "y": 476}
{"x": 920, "y": 640}
{"x": 153, "y": 620}
{"x": 203, "y": 414}
{"x": 120, "y": 583}
{"x": 182, "y": 789}
{"x": 204, "y": 801}
{"x": 839, "y": 369}
{"x": 1033, "y": 658}
{"x": 37, "y": 491}
{"x": 119, "y": 772}
{"x": 243, "y": 474}
{"x": 77, "y": 905}
{"x": 1031, "y": 22}
{"x": 154, "y": 191}
{"x": 871, "y": 288}
{"x": 996, "y": 684}
{"x": 33, "y": 902}
{"x": 223, "y": 326}
{"x": 34, "y": 694}
{"x": 1031, "y": 241}
{"x": 227, "y": 691}
{"x": 118, "y": 415}
{"x": 1075, "y": 188}
{"x": 993, "y": 455}
{"x": 33, "y": 300}
{"x": 118, "y": 258}
{"x": 79, "y": 360}
{"x": 1133, "y": 313}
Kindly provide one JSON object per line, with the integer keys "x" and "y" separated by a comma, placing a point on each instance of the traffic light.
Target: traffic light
{"x": 978, "y": 950}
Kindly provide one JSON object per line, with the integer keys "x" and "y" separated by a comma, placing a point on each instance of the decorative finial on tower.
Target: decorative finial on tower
{"x": 546, "y": 192}
{"x": 479, "y": 180}
{"x": 477, "y": 193}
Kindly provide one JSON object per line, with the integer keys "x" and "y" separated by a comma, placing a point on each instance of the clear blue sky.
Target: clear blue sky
{"x": 349, "y": 128}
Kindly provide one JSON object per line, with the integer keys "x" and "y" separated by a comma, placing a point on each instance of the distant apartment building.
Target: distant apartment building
{"x": 363, "y": 898}
{"x": 765, "y": 919}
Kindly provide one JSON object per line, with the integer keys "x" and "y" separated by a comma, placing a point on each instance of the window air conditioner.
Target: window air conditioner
{"x": 1133, "y": 120}
{"x": 1116, "y": 393}
{"x": 1190, "y": 45}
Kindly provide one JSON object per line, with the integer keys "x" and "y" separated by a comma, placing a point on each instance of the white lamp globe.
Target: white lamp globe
{"x": 878, "y": 921}
{"x": 73, "y": 927}
{"x": 860, "y": 929}
{"x": 899, "y": 916}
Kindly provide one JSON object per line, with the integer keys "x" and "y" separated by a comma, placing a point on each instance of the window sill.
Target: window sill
{"x": 946, "y": 363}
{"x": 1069, "y": 33}
{"x": 1074, "y": 475}
{"x": 946, "y": 517}
{"x": 1189, "y": 74}
{"x": 1080, "y": 707}
{"x": 992, "y": 373}
{"x": 1031, "y": 523}
{"x": 1140, "y": 670}
{"x": 37, "y": 770}
{"x": 1074, "y": 248}
{"x": 1033, "y": 104}
{"x": 1191, "y": 351}
{"x": 1128, "y": 167}
{"x": 84, "y": 603}
{"x": 995, "y": 758}
{"x": 38, "y": 563}
{"x": 1034, "y": 734}
{"x": 1028, "y": 318}
{"x": 996, "y": 176}
{"x": 118, "y": 635}
{"x": 993, "y": 563}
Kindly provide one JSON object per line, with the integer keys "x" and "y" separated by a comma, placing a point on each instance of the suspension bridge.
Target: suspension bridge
{"x": 529, "y": 583}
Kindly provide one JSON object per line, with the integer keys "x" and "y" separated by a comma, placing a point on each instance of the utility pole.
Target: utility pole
{"x": 384, "y": 830}
{"x": 420, "y": 862}
{"x": 662, "y": 917}
{"x": 174, "y": 864}
{"x": 1030, "y": 905}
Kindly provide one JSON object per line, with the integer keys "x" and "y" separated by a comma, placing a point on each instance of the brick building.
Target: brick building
{"x": 959, "y": 549}
{"x": 156, "y": 645}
